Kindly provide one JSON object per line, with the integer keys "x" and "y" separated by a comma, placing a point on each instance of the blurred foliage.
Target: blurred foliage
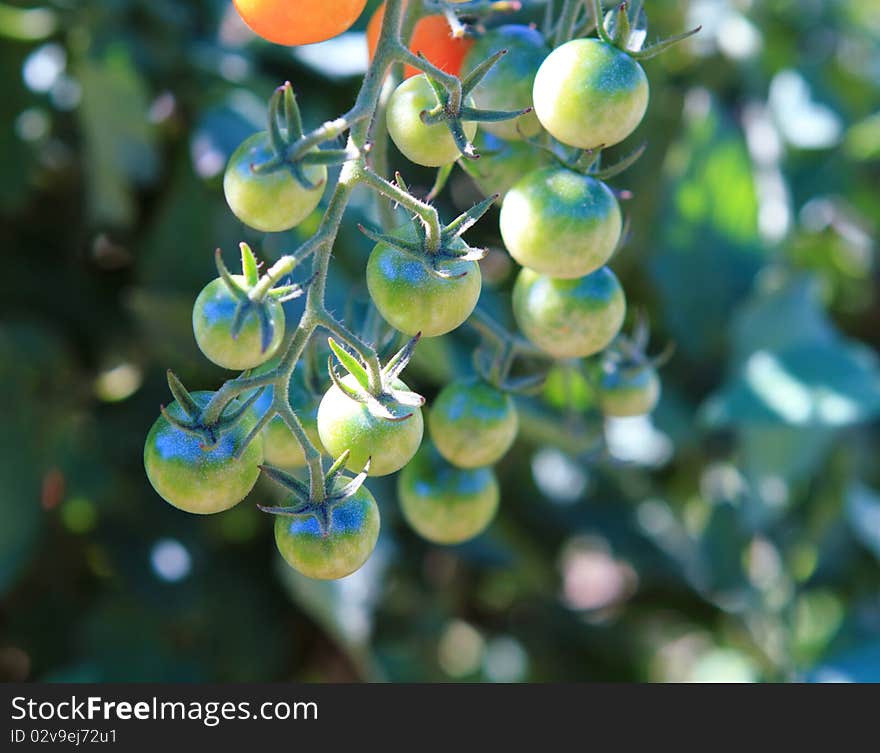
{"x": 734, "y": 536}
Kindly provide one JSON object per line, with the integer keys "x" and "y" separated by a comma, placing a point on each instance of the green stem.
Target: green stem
{"x": 567, "y": 19}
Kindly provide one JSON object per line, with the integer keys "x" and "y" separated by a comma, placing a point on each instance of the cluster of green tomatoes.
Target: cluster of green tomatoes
{"x": 544, "y": 117}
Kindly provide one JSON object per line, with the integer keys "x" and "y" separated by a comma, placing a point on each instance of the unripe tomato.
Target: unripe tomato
{"x": 624, "y": 392}
{"x": 201, "y": 479}
{"x": 445, "y": 504}
{"x": 472, "y": 423}
{"x": 273, "y": 201}
{"x": 589, "y": 93}
{"x": 280, "y": 446}
{"x": 508, "y": 84}
{"x": 412, "y": 299}
{"x": 560, "y": 223}
{"x": 212, "y": 317}
{"x": 347, "y": 542}
{"x": 431, "y": 36}
{"x": 569, "y": 318}
{"x": 502, "y": 163}
{"x": 294, "y": 22}
{"x": 346, "y": 424}
{"x": 428, "y": 145}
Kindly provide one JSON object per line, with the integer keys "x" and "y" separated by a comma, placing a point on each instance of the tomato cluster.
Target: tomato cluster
{"x": 540, "y": 120}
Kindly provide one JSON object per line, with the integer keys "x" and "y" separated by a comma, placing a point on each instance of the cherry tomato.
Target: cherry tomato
{"x": 338, "y": 548}
{"x": 212, "y": 317}
{"x": 502, "y": 163}
{"x": 569, "y": 318}
{"x": 346, "y": 424}
{"x": 272, "y": 201}
{"x": 201, "y": 479}
{"x": 472, "y": 423}
{"x": 445, "y": 504}
{"x": 628, "y": 392}
{"x": 431, "y": 36}
{"x": 428, "y": 145}
{"x": 413, "y": 299}
{"x": 295, "y": 22}
{"x": 508, "y": 84}
{"x": 560, "y": 223}
{"x": 589, "y": 94}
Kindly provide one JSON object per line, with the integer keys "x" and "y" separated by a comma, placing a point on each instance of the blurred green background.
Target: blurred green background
{"x": 734, "y": 536}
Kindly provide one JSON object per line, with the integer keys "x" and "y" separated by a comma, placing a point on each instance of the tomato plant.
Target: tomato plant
{"x": 558, "y": 219}
{"x": 445, "y": 504}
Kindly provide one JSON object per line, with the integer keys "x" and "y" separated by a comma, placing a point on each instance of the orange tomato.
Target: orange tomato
{"x": 295, "y": 22}
{"x": 431, "y": 37}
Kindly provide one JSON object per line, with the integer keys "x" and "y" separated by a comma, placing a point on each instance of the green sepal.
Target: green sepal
{"x": 350, "y": 363}
{"x": 232, "y": 284}
{"x": 622, "y": 164}
{"x": 249, "y": 267}
{"x": 292, "y": 484}
{"x": 186, "y": 401}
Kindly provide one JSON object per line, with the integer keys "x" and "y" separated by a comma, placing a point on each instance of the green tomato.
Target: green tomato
{"x": 346, "y": 424}
{"x": 508, "y": 84}
{"x": 280, "y": 446}
{"x": 473, "y": 423}
{"x": 502, "y": 163}
{"x": 412, "y": 299}
{"x": 337, "y": 550}
{"x": 624, "y": 392}
{"x": 569, "y": 318}
{"x": 212, "y": 317}
{"x": 589, "y": 94}
{"x": 445, "y": 504}
{"x": 428, "y": 145}
{"x": 560, "y": 223}
{"x": 201, "y": 479}
{"x": 272, "y": 201}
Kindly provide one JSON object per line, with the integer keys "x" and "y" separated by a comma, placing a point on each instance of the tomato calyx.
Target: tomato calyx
{"x": 286, "y": 137}
{"x": 413, "y": 240}
{"x": 254, "y": 294}
{"x": 383, "y": 400}
{"x": 194, "y": 423}
{"x": 627, "y": 354}
{"x": 625, "y": 27}
{"x": 336, "y": 489}
{"x": 453, "y": 117}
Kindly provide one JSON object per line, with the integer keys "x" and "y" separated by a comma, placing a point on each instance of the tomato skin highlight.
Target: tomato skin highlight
{"x": 431, "y": 36}
{"x": 569, "y": 318}
{"x": 427, "y": 145}
{"x": 340, "y": 550}
{"x": 560, "y": 223}
{"x": 508, "y": 84}
{"x": 588, "y": 94}
{"x": 623, "y": 394}
{"x": 445, "y": 504}
{"x": 212, "y": 317}
{"x": 412, "y": 299}
{"x": 196, "y": 480}
{"x": 295, "y": 22}
{"x": 346, "y": 424}
{"x": 274, "y": 201}
{"x": 472, "y": 423}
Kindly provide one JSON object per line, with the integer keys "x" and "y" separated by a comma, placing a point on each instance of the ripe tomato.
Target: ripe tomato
{"x": 560, "y": 223}
{"x": 431, "y": 36}
{"x": 508, "y": 84}
{"x": 569, "y": 318}
{"x": 347, "y": 541}
{"x": 346, "y": 424}
{"x": 624, "y": 392}
{"x": 212, "y": 317}
{"x": 196, "y": 479}
{"x": 472, "y": 423}
{"x": 428, "y": 145}
{"x": 274, "y": 201}
{"x": 301, "y": 21}
{"x": 445, "y": 504}
{"x": 412, "y": 299}
{"x": 589, "y": 93}
{"x": 280, "y": 446}
{"x": 502, "y": 163}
